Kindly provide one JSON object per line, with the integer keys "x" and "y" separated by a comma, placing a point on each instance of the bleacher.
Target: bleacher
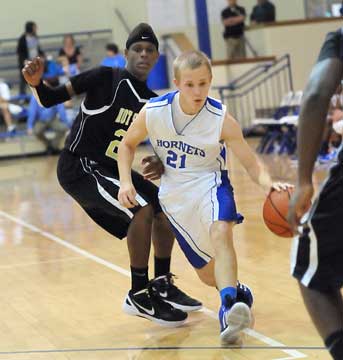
{"x": 18, "y": 143}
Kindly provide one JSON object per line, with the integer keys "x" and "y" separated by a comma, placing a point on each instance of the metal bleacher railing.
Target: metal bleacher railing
{"x": 258, "y": 92}
{"x": 92, "y": 44}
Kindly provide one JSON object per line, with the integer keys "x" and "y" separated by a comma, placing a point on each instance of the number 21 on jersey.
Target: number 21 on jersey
{"x": 175, "y": 161}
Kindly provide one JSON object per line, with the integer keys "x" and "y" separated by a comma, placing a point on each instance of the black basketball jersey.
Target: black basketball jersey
{"x": 113, "y": 99}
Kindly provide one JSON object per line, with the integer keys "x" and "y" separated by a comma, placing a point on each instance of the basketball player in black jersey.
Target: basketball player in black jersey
{"x": 317, "y": 259}
{"x": 87, "y": 170}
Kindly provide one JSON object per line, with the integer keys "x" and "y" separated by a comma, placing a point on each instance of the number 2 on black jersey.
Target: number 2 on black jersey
{"x": 112, "y": 149}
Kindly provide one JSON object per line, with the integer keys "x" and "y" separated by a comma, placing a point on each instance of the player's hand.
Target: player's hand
{"x": 33, "y": 71}
{"x": 127, "y": 196}
{"x": 280, "y": 186}
{"x": 29, "y": 131}
{"x": 299, "y": 205}
{"x": 152, "y": 167}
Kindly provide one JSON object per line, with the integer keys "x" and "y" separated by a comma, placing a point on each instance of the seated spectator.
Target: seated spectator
{"x": 4, "y": 108}
{"x": 70, "y": 56}
{"x": 263, "y": 12}
{"x": 40, "y": 120}
{"x": 113, "y": 57}
{"x": 53, "y": 71}
{"x": 333, "y": 131}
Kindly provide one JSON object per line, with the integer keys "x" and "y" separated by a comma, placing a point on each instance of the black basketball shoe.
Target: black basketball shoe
{"x": 165, "y": 287}
{"x": 148, "y": 304}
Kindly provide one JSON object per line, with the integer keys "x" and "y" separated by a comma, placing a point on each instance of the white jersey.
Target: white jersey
{"x": 195, "y": 190}
{"x": 192, "y": 154}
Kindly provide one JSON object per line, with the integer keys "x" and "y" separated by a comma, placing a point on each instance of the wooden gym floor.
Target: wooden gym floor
{"x": 63, "y": 280}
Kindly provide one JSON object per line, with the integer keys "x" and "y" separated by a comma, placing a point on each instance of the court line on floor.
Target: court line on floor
{"x": 79, "y": 258}
{"x": 163, "y": 348}
{"x": 294, "y": 354}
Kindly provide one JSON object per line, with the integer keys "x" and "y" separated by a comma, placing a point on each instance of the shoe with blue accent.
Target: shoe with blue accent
{"x": 244, "y": 294}
{"x": 331, "y": 156}
{"x": 232, "y": 321}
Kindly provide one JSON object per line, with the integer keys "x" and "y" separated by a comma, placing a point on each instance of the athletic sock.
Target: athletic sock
{"x": 228, "y": 292}
{"x": 162, "y": 266}
{"x": 139, "y": 278}
{"x": 334, "y": 343}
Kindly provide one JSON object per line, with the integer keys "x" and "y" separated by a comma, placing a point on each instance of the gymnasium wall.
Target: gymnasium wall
{"x": 285, "y": 10}
{"x": 54, "y": 16}
{"x": 81, "y": 15}
{"x": 170, "y": 16}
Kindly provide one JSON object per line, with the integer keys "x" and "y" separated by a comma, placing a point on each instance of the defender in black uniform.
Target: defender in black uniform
{"x": 317, "y": 259}
{"x": 87, "y": 170}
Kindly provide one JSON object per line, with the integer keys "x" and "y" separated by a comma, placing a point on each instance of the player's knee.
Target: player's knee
{"x": 221, "y": 235}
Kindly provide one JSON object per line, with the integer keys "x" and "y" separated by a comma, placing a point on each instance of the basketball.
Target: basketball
{"x": 275, "y": 210}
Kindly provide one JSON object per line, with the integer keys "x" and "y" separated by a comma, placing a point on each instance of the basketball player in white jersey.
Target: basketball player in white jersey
{"x": 189, "y": 132}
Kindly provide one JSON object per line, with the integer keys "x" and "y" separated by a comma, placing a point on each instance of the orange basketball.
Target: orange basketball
{"x": 275, "y": 210}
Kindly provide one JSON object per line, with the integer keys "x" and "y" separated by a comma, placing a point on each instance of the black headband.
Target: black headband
{"x": 142, "y": 32}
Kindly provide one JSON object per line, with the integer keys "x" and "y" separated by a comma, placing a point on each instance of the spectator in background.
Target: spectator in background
{"x": 233, "y": 18}
{"x": 332, "y": 133}
{"x": 113, "y": 57}
{"x": 336, "y": 108}
{"x": 27, "y": 49}
{"x": 52, "y": 71}
{"x": 41, "y": 119}
{"x": 263, "y": 12}
{"x": 70, "y": 56}
{"x": 4, "y": 108}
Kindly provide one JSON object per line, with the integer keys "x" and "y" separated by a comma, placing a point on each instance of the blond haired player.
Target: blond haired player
{"x": 189, "y": 132}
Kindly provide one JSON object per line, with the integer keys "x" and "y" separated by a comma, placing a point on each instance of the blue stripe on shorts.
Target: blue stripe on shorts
{"x": 226, "y": 201}
{"x": 195, "y": 260}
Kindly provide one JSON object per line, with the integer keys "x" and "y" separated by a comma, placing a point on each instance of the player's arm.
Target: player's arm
{"x": 233, "y": 137}
{"x": 48, "y": 96}
{"x": 45, "y": 95}
{"x": 135, "y": 135}
{"x": 324, "y": 80}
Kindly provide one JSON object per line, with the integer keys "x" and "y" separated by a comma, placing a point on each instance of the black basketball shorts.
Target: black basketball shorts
{"x": 95, "y": 187}
{"x": 317, "y": 254}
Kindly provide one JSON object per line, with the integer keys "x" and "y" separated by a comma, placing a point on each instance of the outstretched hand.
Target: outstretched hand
{"x": 152, "y": 167}
{"x": 299, "y": 205}
{"x": 33, "y": 71}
